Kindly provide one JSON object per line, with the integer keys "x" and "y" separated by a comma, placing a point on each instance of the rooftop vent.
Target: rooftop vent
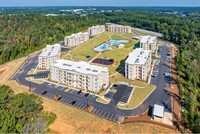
{"x": 88, "y": 69}
{"x": 67, "y": 65}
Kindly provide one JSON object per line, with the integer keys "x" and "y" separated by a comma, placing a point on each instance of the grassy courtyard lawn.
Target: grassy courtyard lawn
{"x": 137, "y": 97}
{"x": 85, "y": 49}
{"x": 117, "y": 37}
{"x": 104, "y": 101}
{"x": 120, "y": 77}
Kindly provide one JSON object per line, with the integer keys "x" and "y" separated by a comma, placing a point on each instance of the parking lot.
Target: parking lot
{"x": 44, "y": 93}
{"x": 108, "y": 115}
{"x": 51, "y": 85}
{"x": 125, "y": 97}
{"x": 74, "y": 103}
{"x": 122, "y": 95}
{"x": 65, "y": 100}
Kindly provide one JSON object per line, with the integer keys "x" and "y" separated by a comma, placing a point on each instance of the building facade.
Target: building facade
{"x": 49, "y": 56}
{"x": 80, "y": 75}
{"x": 95, "y": 30}
{"x": 137, "y": 65}
{"x": 148, "y": 43}
{"x": 118, "y": 28}
{"x": 76, "y": 39}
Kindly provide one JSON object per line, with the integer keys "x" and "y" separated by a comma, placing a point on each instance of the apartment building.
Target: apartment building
{"x": 119, "y": 28}
{"x": 137, "y": 65}
{"x": 148, "y": 43}
{"x": 49, "y": 56}
{"x": 80, "y": 75}
{"x": 76, "y": 39}
{"x": 95, "y": 30}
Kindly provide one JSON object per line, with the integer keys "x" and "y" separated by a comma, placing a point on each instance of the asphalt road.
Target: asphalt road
{"x": 158, "y": 96}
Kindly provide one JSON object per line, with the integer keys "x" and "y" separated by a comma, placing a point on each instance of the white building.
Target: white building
{"x": 148, "y": 43}
{"x": 119, "y": 28}
{"x": 158, "y": 112}
{"x": 137, "y": 65}
{"x": 95, "y": 30}
{"x": 80, "y": 75}
{"x": 76, "y": 39}
{"x": 49, "y": 56}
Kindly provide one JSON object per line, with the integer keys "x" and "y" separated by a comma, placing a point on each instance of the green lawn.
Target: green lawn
{"x": 120, "y": 77}
{"x": 137, "y": 97}
{"x": 117, "y": 37}
{"x": 85, "y": 49}
{"x": 106, "y": 101}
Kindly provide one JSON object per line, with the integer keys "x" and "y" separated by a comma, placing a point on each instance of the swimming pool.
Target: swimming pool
{"x": 117, "y": 42}
{"x": 102, "y": 47}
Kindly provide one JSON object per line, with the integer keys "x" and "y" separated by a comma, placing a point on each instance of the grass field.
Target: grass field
{"x": 137, "y": 97}
{"x": 84, "y": 50}
{"x": 104, "y": 101}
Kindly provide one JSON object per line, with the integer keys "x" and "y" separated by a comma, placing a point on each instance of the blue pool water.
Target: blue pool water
{"x": 117, "y": 42}
{"x": 102, "y": 48}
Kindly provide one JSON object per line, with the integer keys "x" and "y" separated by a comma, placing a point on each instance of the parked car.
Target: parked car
{"x": 80, "y": 91}
{"x": 153, "y": 75}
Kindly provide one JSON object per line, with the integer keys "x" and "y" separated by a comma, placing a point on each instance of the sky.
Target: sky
{"x": 99, "y": 3}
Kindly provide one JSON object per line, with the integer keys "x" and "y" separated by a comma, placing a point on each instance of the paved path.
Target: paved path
{"x": 95, "y": 57}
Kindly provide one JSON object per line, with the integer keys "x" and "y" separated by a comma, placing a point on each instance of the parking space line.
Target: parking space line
{"x": 70, "y": 101}
{"x": 115, "y": 119}
{"x": 64, "y": 99}
{"x": 105, "y": 114}
{"x": 111, "y": 116}
{"x": 93, "y": 110}
{"x": 96, "y": 111}
{"x": 102, "y": 112}
{"x": 79, "y": 105}
{"x": 82, "y": 105}
{"x": 67, "y": 100}
{"x": 108, "y": 114}
{"x": 99, "y": 111}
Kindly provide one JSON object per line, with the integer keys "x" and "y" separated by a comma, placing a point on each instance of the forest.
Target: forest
{"x": 25, "y": 33}
{"x": 22, "y": 113}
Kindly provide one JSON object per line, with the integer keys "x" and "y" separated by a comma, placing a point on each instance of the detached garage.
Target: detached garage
{"x": 158, "y": 112}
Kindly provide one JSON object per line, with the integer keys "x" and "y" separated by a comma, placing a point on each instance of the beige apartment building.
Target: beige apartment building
{"x": 49, "y": 56}
{"x": 137, "y": 65}
{"x": 148, "y": 43}
{"x": 95, "y": 30}
{"x": 80, "y": 75}
{"x": 118, "y": 28}
{"x": 76, "y": 39}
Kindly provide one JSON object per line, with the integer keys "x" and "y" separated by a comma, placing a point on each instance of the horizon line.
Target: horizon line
{"x": 104, "y": 6}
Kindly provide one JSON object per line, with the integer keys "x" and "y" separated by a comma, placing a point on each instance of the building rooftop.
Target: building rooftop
{"x": 138, "y": 56}
{"x": 51, "y": 50}
{"x": 82, "y": 67}
{"x": 77, "y": 35}
{"x": 118, "y": 25}
{"x": 158, "y": 111}
{"x": 148, "y": 39}
{"x": 98, "y": 26}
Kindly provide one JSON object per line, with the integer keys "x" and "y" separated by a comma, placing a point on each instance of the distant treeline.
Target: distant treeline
{"x": 23, "y": 34}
